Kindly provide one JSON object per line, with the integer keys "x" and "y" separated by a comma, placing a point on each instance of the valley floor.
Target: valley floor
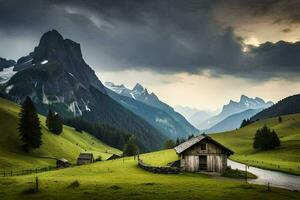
{"x": 122, "y": 179}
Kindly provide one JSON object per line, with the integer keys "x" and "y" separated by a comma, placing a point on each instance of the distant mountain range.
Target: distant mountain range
{"x": 286, "y": 106}
{"x": 149, "y": 107}
{"x": 193, "y": 115}
{"x": 233, "y": 107}
{"x": 233, "y": 121}
{"x": 55, "y": 75}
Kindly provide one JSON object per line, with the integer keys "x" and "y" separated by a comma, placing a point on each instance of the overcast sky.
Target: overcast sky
{"x": 189, "y": 52}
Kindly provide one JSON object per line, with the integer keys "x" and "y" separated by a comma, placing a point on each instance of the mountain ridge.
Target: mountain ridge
{"x": 159, "y": 113}
{"x": 234, "y": 107}
{"x": 286, "y": 106}
{"x": 57, "y": 76}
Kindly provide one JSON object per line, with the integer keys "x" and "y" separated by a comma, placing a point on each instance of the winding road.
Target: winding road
{"x": 276, "y": 179}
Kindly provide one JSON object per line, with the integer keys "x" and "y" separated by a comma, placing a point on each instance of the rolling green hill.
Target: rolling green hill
{"x": 67, "y": 145}
{"x": 286, "y": 158}
{"x": 123, "y": 179}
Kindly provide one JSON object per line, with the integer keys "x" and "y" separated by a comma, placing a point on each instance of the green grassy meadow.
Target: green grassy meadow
{"x": 286, "y": 158}
{"x": 66, "y": 145}
{"x": 123, "y": 179}
{"x": 114, "y": 179}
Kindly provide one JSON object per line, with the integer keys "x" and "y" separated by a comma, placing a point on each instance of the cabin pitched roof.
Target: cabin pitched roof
{"x": 63, "y": 160}
{"x": 85, "y": 156}
{"x": 194, "y": 140}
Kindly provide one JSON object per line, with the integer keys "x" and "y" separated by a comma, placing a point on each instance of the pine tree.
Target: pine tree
{"x": 169, "y": 144}
{"x": 54, "y": 123}
{"x": 57, "y": 125}
{"x": 279, "y": 119}
{"x": 49, "y": 120}
{"x": 29, "y": 126}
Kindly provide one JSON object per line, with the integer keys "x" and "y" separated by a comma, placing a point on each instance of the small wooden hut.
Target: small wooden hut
{"x": 85, "y": 158}
{"x": 202, "y": 153}
{"x": 62, "y": 163}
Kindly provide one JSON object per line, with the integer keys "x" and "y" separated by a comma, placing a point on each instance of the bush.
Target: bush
{"x": 99, "y": 158}
{"x": 230, "y": 173}
{"x": 74, "y": 184}
{"x": 265, "y": 139}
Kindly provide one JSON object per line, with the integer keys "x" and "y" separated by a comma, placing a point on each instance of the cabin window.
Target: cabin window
{"x": 203, "y": 146}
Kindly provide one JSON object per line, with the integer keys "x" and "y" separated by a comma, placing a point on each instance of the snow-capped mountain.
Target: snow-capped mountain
{"x": 233, "y": 107}
{"x": 156, "y": 112}
{"x": 138, "y": 93}
{"x": 6, "y": 74}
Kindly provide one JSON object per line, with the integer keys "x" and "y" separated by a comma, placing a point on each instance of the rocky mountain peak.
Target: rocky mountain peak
{"x": 4, "y": 63}
{"x": 138, "y": 87}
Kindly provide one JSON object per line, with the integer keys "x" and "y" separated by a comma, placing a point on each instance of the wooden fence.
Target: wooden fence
{"x": 26, "y": 171}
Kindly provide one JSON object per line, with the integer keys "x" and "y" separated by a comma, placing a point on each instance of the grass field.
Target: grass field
{"x": 286, "y": 158}
{"x": 122, "y": 179}
{"x": 66, "y": 145}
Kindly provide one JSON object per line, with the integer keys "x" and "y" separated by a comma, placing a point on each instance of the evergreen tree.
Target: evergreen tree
{"x": 29, "y": 126}
{"x": 177, "y": 142}
{"x": 265, "y": 139}
{"x": 279, "y": 119}
{"x": 54, "y": 123}
{"x": 130, "y": 147}
{"x": 191, "y": 136}
{"x": 49, "y": 120}
{"x": 169, "y": 144}
{"x": 57, "y": 125}
{"x": 245, "y": 122}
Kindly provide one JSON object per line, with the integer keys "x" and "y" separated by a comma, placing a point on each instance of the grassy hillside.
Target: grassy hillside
{"x": 285, "y": 158}
{"x": 67, "y": 145}
{"x": 122, "y": 179}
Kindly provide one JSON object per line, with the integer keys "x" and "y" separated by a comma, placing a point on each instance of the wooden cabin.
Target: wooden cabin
{"x": 202, "y": 153}
{"x": 62, "y": 163}
{"x": 113, "y": 157}
{"x": 85, "y": 158}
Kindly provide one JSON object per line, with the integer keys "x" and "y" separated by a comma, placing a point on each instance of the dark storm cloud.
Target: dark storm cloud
{"x": 164, "y": 36}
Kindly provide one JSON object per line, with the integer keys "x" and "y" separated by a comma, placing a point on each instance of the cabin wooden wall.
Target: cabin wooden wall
{"x": 216, "y": 158}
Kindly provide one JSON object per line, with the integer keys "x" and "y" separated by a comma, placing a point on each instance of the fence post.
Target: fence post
{"x": 36, "y": 184}
{"x": 268, "y": 186}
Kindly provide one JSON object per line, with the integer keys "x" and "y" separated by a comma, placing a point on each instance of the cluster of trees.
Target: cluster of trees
{"x": 54, "y": 123}
{"x": 169, "y": 144}
{"x": 29, "y": 126}
{"x": 109, "y": 135}
{"x": 245, "y": 122}
{"x": 265, "y": 139}
{"x": 130, "y": 148}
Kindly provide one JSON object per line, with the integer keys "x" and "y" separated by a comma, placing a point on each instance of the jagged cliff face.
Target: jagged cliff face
{"x": 6, "y": 63}
{"x": 55, "y": 74}
{"x": 54, "y": 48}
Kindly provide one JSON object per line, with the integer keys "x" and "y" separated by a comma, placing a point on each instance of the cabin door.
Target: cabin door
{"x": 202, "y": 162}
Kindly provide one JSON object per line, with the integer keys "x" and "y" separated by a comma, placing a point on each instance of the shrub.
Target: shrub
{"x": 99, "y": 158}
{"x": 74, "y": 184}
